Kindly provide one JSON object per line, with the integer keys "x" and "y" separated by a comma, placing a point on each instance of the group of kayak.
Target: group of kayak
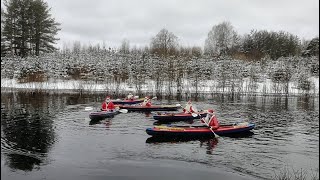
{"x": 210, "y": 127}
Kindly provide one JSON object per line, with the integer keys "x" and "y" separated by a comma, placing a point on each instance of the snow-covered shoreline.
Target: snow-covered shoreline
{"x": 210, "y": 86}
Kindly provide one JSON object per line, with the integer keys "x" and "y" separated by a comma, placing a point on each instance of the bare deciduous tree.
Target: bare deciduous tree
{"x": 125, "y": 47}
{"x": 221, "y": 39}
{"x": 164, "y": 43}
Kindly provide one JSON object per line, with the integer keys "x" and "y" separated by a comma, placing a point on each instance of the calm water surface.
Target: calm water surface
{"x": 50, "y": 136}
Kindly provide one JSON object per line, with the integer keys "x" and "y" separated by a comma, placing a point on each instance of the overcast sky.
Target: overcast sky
{"x": 95, "y": 21}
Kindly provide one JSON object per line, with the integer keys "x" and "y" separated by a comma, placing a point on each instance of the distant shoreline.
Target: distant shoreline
{"x": 70, "y": 87}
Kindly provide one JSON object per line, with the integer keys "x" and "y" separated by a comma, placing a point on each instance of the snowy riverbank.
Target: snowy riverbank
{"x": 260, "y": 88}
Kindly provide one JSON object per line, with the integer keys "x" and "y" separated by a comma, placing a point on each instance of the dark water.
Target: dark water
{"x": 50, "y": 136}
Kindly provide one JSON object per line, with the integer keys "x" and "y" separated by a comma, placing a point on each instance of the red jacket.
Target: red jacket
{"x": 106, "y": 106}
{"x": 191, "y": 110}
{"x": 110, "y": 105}
{"x": 213, "y": 122}
{"x": 148, "y": 104}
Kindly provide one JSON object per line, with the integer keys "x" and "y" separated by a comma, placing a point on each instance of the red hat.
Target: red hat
{"x": 210, "y": 110}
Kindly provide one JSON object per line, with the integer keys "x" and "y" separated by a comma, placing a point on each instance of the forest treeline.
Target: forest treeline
{"x": 226, "y": 62}
{"x": 27, "y": 28}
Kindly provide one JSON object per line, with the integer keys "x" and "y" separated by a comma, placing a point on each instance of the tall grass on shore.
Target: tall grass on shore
{"x": 299, "y": 174}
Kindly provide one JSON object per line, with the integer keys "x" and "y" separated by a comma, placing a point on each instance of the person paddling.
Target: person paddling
{"x": 189, "y": 108}
{"x": 212, "y": 120}
{"x": 130, "y": 97}
{"x": 146, "y": 102}
{"x": 107, "y": 105}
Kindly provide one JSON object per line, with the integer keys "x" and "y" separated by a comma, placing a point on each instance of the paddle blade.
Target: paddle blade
{"x": 194, "y": 115}
{"x": 136, "y": 97}
{"x": 154, "y": 98}
{"x": 88, "y": 108}
{"x": 123, "y": 110}
{"x": 215, "y": 135}
{"x": 178, "y": 105}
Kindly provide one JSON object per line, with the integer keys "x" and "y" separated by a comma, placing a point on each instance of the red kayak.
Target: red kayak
{"x": 150, "y": 108}
{"x": 127, "y": 101}
{"x": 199, "y": 131}
{"x": 181, "y": 116}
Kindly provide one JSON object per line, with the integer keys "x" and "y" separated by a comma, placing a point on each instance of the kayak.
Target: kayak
{"x": 150, "y": 108}
{"x": 181, "y": 116}
{"x": 102, "y": 114}
{"x": 127, "y": 101}
{"x": 199, "y": 131}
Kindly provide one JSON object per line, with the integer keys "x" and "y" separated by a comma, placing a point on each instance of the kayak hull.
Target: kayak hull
{"x": 102, "y": 114}
{"x": 123, "y": 102}
{"x": 197, "y": 131}
{"x": 169, "y": 117}
{"x": 150, "y": 108}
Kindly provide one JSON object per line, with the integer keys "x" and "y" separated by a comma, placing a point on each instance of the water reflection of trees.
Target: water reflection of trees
{"x": 208, "y": 142}
{"x": 306, "y": 102}
{"x": 26, "y": 122}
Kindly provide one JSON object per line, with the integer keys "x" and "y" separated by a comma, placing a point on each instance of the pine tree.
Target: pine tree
{"x": 28, "y": 27}
{"x": 45, "y": 28}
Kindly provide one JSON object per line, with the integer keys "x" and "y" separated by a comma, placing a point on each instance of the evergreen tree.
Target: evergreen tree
{"x": 312, "y": 48}
{"x": 28, "y": 27}
{"x": 274, "y": 44}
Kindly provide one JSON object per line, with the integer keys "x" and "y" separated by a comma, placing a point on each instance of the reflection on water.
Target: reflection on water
{"x": 207, "y": 142}
{"x": 41, "y": 130}
{"x": 26, "y": 127}
{"x": 210, "y": 145}
{"x": 105, "y": 122}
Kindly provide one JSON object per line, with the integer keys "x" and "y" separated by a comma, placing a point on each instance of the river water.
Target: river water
{"x": 50, "y": 136}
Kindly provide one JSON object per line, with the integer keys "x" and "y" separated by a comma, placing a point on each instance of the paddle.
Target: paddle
{"x": 216, "y": 135}
{"x": 195, "y": 114}
{"x": 123, "y": 110}
{"x": 88, "y": 108}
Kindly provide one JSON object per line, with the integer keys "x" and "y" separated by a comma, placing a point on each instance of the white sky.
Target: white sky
{"x": 95, "y": 21}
